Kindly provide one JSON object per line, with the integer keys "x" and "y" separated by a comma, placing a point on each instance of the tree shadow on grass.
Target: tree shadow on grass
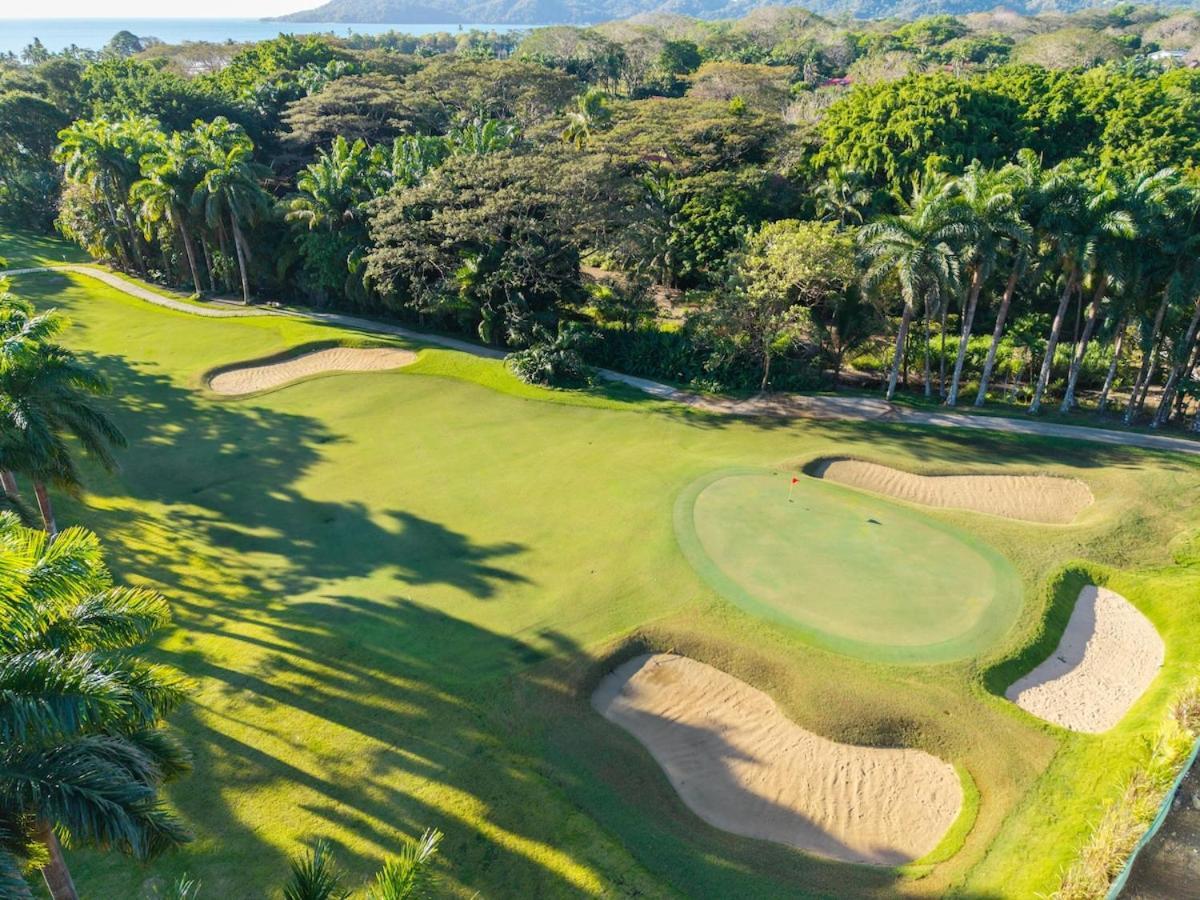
{"x": 227, "y": 474}
{"x": 372, "y": 718}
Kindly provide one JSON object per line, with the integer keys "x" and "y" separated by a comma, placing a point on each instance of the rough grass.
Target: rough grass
{"x": 395, "y": 591}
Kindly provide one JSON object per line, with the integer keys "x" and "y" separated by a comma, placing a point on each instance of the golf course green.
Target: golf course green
{"x": 395, "y": 591}
{"x": 855, "y": 573}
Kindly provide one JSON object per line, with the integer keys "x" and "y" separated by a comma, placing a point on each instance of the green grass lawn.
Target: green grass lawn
{"x": 854, "y": 572}
{"x": 394, "y": 592}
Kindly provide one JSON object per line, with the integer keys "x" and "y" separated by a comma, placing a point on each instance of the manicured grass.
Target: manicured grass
{"x": 853, "y": 572}
{"x": 20, "y": 250}
{"x": 395, "y": 592}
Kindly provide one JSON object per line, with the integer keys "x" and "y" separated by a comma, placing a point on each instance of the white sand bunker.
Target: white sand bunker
{"x": 1032, "y": 498}
{"x": 1106, "y": 659}
{"x": 249, "y": 379}
{"x": 741, "y": 765}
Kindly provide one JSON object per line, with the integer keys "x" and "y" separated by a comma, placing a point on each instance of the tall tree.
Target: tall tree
{"x": 915, "y": 248}
{"x": 105, "y": 155}
{"x": 1025, "y": 181}
{"x": 46, "y": 396}
{"x": 83, "y": 753}
{"x": 171, "y": 173}
{"x": 230, "y": 191}
{"x": 1078, "y": 218}
{"x": 986, "y": 218}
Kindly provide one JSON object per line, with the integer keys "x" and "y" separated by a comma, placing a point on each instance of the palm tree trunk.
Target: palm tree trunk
{"x": 1183, "y": 356}
{"x": 9, "y": 482}
{"x": 901, "y": 342}
{"x": 928, "y": 338}
{"x": 45, "y": 507}
{"x": 942, "y": 350}
{"x": 997, "y": 333}
{"x": 766, "y": 366}
{"x": 1112, "y": 366}
{"x": 55, "y": 873}
{"x": 1068, "y": 401}
{"x": 1064, "y": 302}
{"x": 238, "y": 246}
{"x": 1142, "y": 380}
{"x": 138, "y": 259}
{"x": 968, "y": 320}
{"x": 189, "y": 248}
{"x": 126, "y": 258}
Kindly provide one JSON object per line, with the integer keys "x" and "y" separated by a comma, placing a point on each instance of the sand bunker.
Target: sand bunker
{"x": 1106, "y": 659}
{"x": 249, "y": 379}
{"x": 1032, "y": 498}
{"x": 741, "y": 765}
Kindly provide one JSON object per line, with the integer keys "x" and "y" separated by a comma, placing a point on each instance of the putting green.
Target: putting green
{"x": 855, "y": 573}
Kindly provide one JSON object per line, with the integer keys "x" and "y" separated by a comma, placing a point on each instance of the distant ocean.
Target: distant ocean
{"x": 92, "y": 34}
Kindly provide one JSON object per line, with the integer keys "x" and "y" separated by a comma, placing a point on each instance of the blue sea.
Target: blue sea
{"x": 92, "y": 34}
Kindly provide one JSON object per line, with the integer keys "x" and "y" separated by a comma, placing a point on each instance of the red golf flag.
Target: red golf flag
{"x": 795, "y": 480}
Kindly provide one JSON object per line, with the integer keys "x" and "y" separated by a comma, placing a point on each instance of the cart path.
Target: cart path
{"x": 797, "y": 406}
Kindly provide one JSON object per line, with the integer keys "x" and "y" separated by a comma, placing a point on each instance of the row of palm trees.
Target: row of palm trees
{"x": 201, "y": 187}
{"x": 1121, "y": 246}
{"x": 201, "y": 190}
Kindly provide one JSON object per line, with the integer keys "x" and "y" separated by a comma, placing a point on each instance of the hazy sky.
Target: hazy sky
{"x": 150, "y": 9}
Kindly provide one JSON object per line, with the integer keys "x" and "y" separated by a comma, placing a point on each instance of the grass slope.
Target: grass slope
{"x": 394, "y": 592}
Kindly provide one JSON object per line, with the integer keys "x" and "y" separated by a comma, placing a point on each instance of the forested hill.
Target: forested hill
{"x": 542, "y": 12}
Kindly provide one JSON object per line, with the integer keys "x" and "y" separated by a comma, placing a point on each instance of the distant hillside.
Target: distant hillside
{"x": 544, "y": 12}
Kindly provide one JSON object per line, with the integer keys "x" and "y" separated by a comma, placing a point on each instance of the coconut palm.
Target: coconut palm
{"x": 987, "y": 218}
{"x": 408, "y": 876}
{"x": 104, "y": 154}
{"x": 410, "y": 159}
{"x": 46, "y": 395}
{"x": 1116, "y": 258}
{"x": 1025, "y": 181}
{"x": 915, "y": 248}
{"x": 171, "y": 172}
{"x": 589, "y": 113}
{"x": 333, "y": 188}
{"x": 841, "y": 197}
{"x": 82, "y": 750}
{"x": 1078, "y": 218}
{"x": 230, "y": 190}
{"x": 479, "y": 137}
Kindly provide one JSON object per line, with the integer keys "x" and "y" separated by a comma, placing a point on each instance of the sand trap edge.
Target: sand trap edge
{"x": 1043, "y": 499}
{"x": 1104, "y": 662}
{"x": 399, "y": 358}
{"x": 711, "y": 734}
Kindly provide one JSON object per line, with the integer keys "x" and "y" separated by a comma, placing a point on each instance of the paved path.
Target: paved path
{"x": 772, "y": 405}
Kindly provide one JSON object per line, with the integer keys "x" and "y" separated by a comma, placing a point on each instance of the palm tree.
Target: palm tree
{"x": 170, "y": 175}
{"x": 411, "y": 158}
{"x": 409, "y": 876}
{"x": 479, "y": 137}
{"x": 46, "y": 395}
{"x": 842, "y": 196}
{"x": 590, "y": 112}
{"x": 914, "y": 246}
{"x": 332, "y": 189}
{"x": 1025, "y": 180}
{"x": 83, "y": 752}
{"x": 230, "y": 190}
{"x": 1078, "y": 218}
{"x": 987, "y": 218}
{"x": 105, "y": 155}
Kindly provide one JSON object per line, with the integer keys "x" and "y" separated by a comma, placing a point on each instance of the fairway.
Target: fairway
{"x": 396, "y": 591}
{"x": 857, "y": 574}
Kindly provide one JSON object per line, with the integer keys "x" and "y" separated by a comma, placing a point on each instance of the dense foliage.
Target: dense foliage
{"x": 756, "y": 204}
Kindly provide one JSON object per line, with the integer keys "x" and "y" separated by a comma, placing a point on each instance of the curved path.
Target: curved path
{"x": 773, "y": 405}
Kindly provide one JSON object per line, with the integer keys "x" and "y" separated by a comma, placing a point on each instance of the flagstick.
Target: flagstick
{"x": 791, "y": 488}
